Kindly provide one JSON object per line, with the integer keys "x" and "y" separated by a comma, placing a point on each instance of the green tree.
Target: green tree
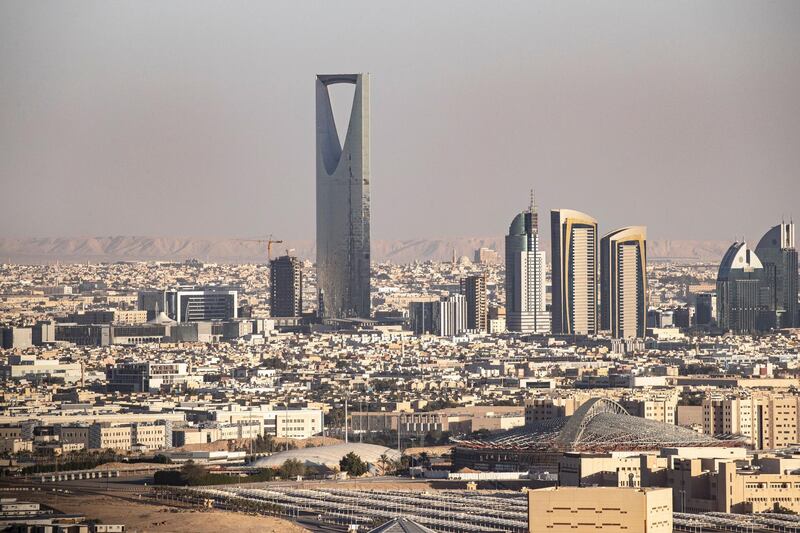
{"x": 385, "y": 464}
{"x": 292, "y": 468}
{"x": 192, "y": 472}
{"x": 353, "y": 465}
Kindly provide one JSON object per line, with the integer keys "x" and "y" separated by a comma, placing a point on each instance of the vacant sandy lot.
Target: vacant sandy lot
{"x": 141, "y": 517}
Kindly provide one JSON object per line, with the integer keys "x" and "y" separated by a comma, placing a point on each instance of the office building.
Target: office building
{"x": 623, "y": 282}
{"x": 343, "y": 205}
{"x": 16, "y": 338}
{"x": 474, "y": 290}
{"x": 123, "y": 437}
{"x": 44, "y": 332}
{"x": 286, "y": 286}
{"x": 446, "y": 317}
{"x": 778, "y": 256}
{"x": 153, "y": 302}
{"x": 112, "y": 316}
{"x": 147, "y": 377}
{"x": 705, "y": 309}
{"x": 191, "y": 304}
{"x": 31, "y": 368}
{"x": 712, "y": 485}
{"x": 84, "y": 335}
{"x": 574, "y": 274}
{"x": 741, "y": 293}
{"x": 589, "y": 509}
{"x": 526, "y": 307}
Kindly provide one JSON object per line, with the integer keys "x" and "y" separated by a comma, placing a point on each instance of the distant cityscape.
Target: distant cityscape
{"x": 516, "y": 389}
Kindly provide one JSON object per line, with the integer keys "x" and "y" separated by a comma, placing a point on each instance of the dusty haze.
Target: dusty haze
{"x": 197, "y": 118}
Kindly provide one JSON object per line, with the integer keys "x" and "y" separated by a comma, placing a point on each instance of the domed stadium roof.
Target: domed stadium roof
{"x": 329, "y": 456}
{"x": 598, "y": 425}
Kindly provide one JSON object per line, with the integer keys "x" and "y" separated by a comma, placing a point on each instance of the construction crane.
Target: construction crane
{"x": 269, "y": 242}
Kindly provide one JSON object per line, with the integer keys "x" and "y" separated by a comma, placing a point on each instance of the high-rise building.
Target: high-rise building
{"x": 526, "y": 307}
{"x": 474, "y": 289}
{"x": 343, "y": 212}
{"x": 705, "y": 306}
{"x": 574, "y": 255}
{"x": 741, "y": 291}
{"x": 446, "y": 317}
{"x": 778, "y": 256}
{"x": 623, "y": 282}
{"x": 286, "y": 286}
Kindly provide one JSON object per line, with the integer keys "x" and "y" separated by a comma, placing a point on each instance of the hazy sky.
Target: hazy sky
{"x": 194, "y": 118}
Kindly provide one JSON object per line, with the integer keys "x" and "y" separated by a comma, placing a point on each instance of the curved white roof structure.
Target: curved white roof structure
{"x": 329, "y": 456}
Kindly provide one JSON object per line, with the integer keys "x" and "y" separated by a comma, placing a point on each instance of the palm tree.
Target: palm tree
{"x": 383, "y": 462}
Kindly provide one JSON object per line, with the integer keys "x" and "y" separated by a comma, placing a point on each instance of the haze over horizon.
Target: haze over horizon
{"x": 197, "y": 118}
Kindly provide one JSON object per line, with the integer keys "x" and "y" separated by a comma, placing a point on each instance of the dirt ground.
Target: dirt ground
{"x": 144, "y": 517}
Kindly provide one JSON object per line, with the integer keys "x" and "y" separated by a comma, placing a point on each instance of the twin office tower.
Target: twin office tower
{"x": 576, "y": 308}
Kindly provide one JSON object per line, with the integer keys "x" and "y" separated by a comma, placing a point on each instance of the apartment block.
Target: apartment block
{"x": 769, "y": 421}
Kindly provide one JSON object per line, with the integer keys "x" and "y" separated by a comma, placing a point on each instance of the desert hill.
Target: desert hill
{"x": 230, "y": 250}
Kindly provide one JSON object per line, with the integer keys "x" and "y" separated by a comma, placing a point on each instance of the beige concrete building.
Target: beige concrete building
{"x": 704, "y": 485}
{"x": 583, "y": 510}
{"x": 769, "y": 421}
{"x": 614, "y": 469}
{"x": 123, "y": 438}
{"x": 661, "y": 409}
{"x": 538, "y": 409}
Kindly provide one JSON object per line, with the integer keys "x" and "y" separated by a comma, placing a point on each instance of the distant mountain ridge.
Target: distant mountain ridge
{"x": 229, "y": 250}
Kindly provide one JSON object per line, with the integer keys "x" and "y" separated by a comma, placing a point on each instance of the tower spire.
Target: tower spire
{"x": 533, "y": 202}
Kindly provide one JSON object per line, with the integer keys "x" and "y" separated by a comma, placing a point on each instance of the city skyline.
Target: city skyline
{"x": 318, "y": 355}
{"x": 704, "y": 95}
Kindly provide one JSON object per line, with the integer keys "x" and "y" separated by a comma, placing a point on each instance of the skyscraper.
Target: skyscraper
{"x": 573, "y": 242}
{"x": 623, "y": 282}
{"x": 343, "y": 180}
{"x": 474, "y": 289}
{"x": 778, "y": 256}
{"x": 526, "y": 307}
{"x": 741, "y": 291}
{"x": 286, "y": 286}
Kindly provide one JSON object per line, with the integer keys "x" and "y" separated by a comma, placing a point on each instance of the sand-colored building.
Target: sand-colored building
{"x": 704, "y": 485}
{"x": 581, "y": 510}
{"x": 769, "y": 421}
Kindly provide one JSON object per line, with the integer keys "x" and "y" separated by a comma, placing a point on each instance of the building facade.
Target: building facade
{"x": 588, "y": 509}
{"x": 778, "y": 256}
{"x": 573, "y": 244}
{"x": 526, "y": 306}
{"x": 741, "y": 294}
{"x": 705, "y": 309}
{"x": 286, "y": 286}
{"x": 343, "y": 202}
{"x": 623, "y": 282}
{"x": 446, "y": 317}
{"x": 474, "y": 290}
